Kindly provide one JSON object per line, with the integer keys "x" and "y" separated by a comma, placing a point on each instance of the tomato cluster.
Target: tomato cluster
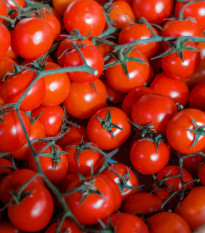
{"x": 102, "y": 122}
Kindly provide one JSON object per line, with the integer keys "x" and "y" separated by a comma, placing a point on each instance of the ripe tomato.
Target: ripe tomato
{"x": 121, "y": 14}
{"x": 5, "y": 40}
{"x": 34, "y": 212}
{"x": 138, "y": 73}
{"x": 32, "y": 38}
{"x": 54, "y": 166}
{"x": 155, "y": 11}
{"x": 108, "y": 128}
{"x": 175, "y": 68}
{"x": 14, "y": 87}
{"x": 85, "y": 15}
{"x": 61, "y": 5}
{"x": 192, "y": 207}
{"x": 145, "y": 157}
{"x": 201, "y": 173}
{"x": 82, "y": 101}
{"x": 14, "y": 180}
{"x": 134, "y": 32}
{"x": 12, "y": 136}
{"x": 3, "y": 10}
{"x": 129, "y": 180}
{"x": 168, "y": 222}
{"x": 66, "y": 227}
{"x": 183, "y": 131}
{"x": 142, "y": 203}
{"x": 50, "y": 117}
{"x": 8, "y": 227}
{"x": 197, "y": 97}
{"x": 177, "y": 90}
{"x": 90, "y": 53}
{"x": 6, "y": 66}
{"x": 94, "y": 207}
{"x": 57, "y": 86}
{"x": 153, "y": 109}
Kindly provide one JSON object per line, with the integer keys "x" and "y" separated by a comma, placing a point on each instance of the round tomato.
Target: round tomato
{"x": 197, "y": 97}
{"x": 32, "y": 37}
{"x": 68, "y": 226}
{"x": 110, "y": 125}
{"x": 5, "y": 40}
{"x": 61, "y": 5}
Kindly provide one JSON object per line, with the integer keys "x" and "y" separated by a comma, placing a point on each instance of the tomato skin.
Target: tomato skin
{"x": 32, "y": 37}
{"x": 94, "y": 207}
{"x": 197, "y": 97}
{"x": 138, "y": 73}
{"x": 61, "y": 5}
{"x": 3, "y": 10}
{"x": 142, "y": 203}
{"x": 67, "y": 226}
{"x": 192, "y": 207}
{"x": 5, "y": 162}
{"x": 122, "y": 169}
{"x": 54, "y": 172}
{"x": 121, "y": 14}
{"x": 89, "y": 19}
{"x": 98, "y": 135}
{"x": 177, "y": 90}
{"x": 14, "y": 180}
{"x": 34, "y": 212}
{"x": 153, "y": 108}
{"x": 178, "y": 135}
{"x": 155, "y": 11}
{"x": 90, "y": 52}
{"x": 168, "y": 222}
{"x": 7, "y": 227}
{"x": 6, "y": 66}
{"x": 14, "y": 87}
{"x": 5, "y": 40}
{"x": 175, "y": 68}
{"x": 123, "y": 222}
{"x": 82, "y": 101}
{"x": 145, "y": 158}
{"x": 134, "y": 32}
{"x": 50, "y": 118}
{"x": 11, "y": 133}
{"x": 87, "y": 159}
{"x": 57, "y": 86}
{"x": 201, "y": 172}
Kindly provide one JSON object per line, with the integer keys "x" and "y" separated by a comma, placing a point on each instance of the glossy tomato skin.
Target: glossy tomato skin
{"x": 90, "y": 53}
{"x": 11, "y": 133}
{"x": 121, "y": 14}
{"x": 5, "y": 40}
{"x": 146, "y": 159}
{"x": 122, "y": 169}
{"x": 168, "y": 222}
{"x": 134, "y": 32}
{"x": 142, "y": 203}
{"x": 192, "y": 207}
{"x": 178, "y": 134}
{"x": 14, "y": 87}
{"x": 32, "y": 37}
{"x": 57, "y": 86}
{"x": 138, "y": 73}
{"x": 67, "y": 226}
{"x": 14, "y": 180}
{"x": 175, "y": 68}
{"x": 8, "y": 227}
{"x": 197, "y": 97}
{"x": 94, "y": 207}
{"x": 34, "y": 212}
{"x": 3, "y": 10}
{"x": 50, "y": 117}
{"x": 82, "y": 101}
{"x": 89, "y": 19}
{"x": 102, "y": 137}
{"x": 155, "y": 11}
{"x": 177, "y": 90}
{"x": 153, "y": 108}
{"x": 54, "y": 170}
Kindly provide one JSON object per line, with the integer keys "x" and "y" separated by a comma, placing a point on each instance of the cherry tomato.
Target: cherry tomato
{"x": 12, "y": 136}
{"x": 6, "y": 66}
{"x": 3, "y": 10}
{"x": 34, "y": 212}
{"x": 197, "y": 97}
{"x": 85, "y": 15}
{"x": 168, "y": 222}
{"x": 108, "y": 128}
{"x": 8, "y": 227}
{"x": 32, "y": 37}
{"x": 83, "y": 101}
{"x": 5, "y": 40}
{"x": 67, "y": 226}
{"x": 201, "y": 173}
{"x": 182, "y": 131}
{"x": 61, "y": 5}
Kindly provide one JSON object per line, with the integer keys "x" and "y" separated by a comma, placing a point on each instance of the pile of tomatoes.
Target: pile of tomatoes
{"x": 102, "y": 122}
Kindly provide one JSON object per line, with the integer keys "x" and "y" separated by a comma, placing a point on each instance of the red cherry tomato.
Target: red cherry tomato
{"x": 3, "y": 10}
{"x": 67, "y": 226}
{"x": 5, "y": 40}
{"x": 8, "y": 227}
{"x": 6, "y": 66}
{"x": 197, "y": 97}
